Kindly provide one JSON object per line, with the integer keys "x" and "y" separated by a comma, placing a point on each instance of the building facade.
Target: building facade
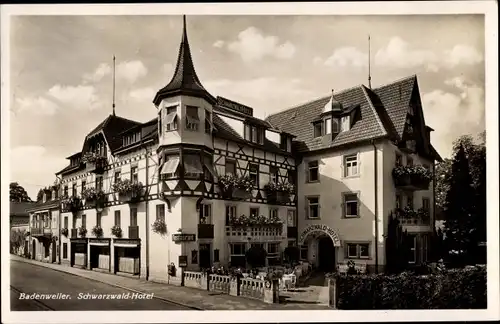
{"x": 206, "y": 180}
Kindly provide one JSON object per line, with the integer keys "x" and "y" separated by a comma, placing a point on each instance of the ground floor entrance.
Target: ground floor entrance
{"x": 127, "y": 256}
{"x": 326, "y": 254}
{"x": 99, "y": 254}
{"x": 319, "y": 245}
{"x": 78, "y": 256}
{"x": 205, "y": 255}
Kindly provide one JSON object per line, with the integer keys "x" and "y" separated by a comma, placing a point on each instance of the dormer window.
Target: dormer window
{"x": 283, "y": 142}
{"x": 328, "y": 126}
{"x": 128, "y": 140}
{"x": 254, "y": 134}
{"x": 171, "y": 119}
{"x": 192, "y": 118}
{"x": 318, "y": 129}
{"x": 345, "y": 124}
{"x": 335, "y": 125}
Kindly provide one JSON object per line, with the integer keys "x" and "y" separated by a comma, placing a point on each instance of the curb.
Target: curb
{"x": 110, "y": 284}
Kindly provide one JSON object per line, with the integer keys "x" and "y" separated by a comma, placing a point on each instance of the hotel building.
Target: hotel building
{"x": 335, "y": 156}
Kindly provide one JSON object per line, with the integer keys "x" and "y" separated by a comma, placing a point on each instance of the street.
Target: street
{"x": 29, "y": 279}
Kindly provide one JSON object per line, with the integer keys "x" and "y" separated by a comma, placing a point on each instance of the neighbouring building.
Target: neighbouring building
{"x": 206, "y": 180}
{"x": 44, "y": 227}
{"x": 19, "y": 226}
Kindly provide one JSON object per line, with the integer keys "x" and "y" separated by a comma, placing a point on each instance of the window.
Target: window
{"x": 254, "y": 174}
{"x": 273, "y": 212}
{"x": 216, "y": 255}
{"x": 65, "y": 250}
{"x": 66, "y": 222}
{"x": 133, "y": 216}
{"x": 345, "y": 124}
{"x": 254, "y": 211}
{"x": 230, "y": 212}
{"x": 118, "y": 220}
{"x": 98, "y": 219}
{"x": 134, "y": 174}
{"x": 84, "y": 185}
{"x": 303, "y": 252}
{"x": 117, "y": 176}
{"x": 65, "y": 191}
{"x": 254, "y": 134}
{"x": 84, "y": 221}
{"x": 230, "y": 167}
{"x": 73, "y": 221}
{"x": 426, "y": 203}
{"x": 192, "y": 166}
{"x": 273, "y": 253}
{"x": 291, "y": 218}
{"x": 409, "y": 161}
{"x": 424, "y": 247}
{"x": 98, "y": 183}
{"x": 412, "y": 258}
{"x": 192, "y": 118}
{"x": 283, "y": 142}
{"x": 260, "y": 136}
{"x": 335, "y": 125}
{"x": 351, "y": 165}
{"x": 273, "y": 174}
{"x": 205, "y": 214}
{"x": 160, "y": 212}
{"x": 208, "y": 170}
{"x": 399, "y": 201}
{"x": 171, "y": 119}
{"x": 291, "y": 176}
{"x": 194, "y": 256}
{"x": 73, "y": 190}
{"x": 351, "y": 205}
{"x": 328, "y": 126}
{"x": 399, "y": 159}
{"x": 358, "y": 250}
{"x": 171, "y": 167}
{"x": 208, "y": 123}
{"x": 409, "y": 199}
{"x": 237, "y": 257}
{"x": 45, "y": 221}
{"x": 313, "y": 207}
{"x": 318, "y": 129}
{"x": 313, "y": 171}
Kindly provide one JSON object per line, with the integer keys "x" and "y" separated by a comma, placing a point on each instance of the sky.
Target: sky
{"x": 61, "y": 71}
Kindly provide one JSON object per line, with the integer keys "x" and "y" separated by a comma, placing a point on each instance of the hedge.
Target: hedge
{"x": 448, "y": 289}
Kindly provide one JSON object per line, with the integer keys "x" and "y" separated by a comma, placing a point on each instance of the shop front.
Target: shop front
{"x": 100, "y": 258}
{"x": 127, "y": 256}
{"x": 79, "y": 252}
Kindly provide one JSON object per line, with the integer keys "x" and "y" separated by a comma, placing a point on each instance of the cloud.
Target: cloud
{"x": 273, "y": 93}
{"x": 168, "y": 68}
{"x": 219, "y": 44}
{"x": 129, "y": 71}
{"x": 143, "y": 94}
{"x": 252, "y": 45}
{"x": 463, "y": 54}
{"x": 347, "y": 56}
{"x": 78, "y": 97}
{"x": 398, "y": 53}
{"x": 38, "y": 106}
{"x": 463, "y": 110}
{"x": 34, "y": 167}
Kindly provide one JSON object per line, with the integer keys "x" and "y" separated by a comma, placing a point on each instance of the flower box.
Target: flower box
{"x": 72, "y": 204}
{"x": 94, "y": 162}
{"x": 128, "y": 191}
{"x": 116, "y": 231}
{"x": 233, "y": 187}
{"x": 279, "y": 193}
{"x": 97, "y": 231}
{"x": 94, "y": 198}
{"x": 415, "y": 177}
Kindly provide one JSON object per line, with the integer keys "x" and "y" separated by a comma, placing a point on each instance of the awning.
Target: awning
{"x": 192, "y": 164}
{"x": 98, "y": 243}
{"x": 170, "y": 166}
{"x": 170, "y": 117}
{"x": 131, "y": 245}
{"x": 210, "y": 169}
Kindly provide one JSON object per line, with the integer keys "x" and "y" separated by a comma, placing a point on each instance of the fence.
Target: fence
{"x": 252, "y": 288}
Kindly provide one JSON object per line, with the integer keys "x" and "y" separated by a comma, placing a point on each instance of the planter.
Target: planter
{"x": 129, "y": 197}
{"x": 97, "y": 166}
{"x": 411, "y": 181}
{"x": 278, "y": 197}
{"x": 236, "y": 193}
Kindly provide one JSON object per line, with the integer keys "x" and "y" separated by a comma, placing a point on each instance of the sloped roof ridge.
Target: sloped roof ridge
{"x": 311, "y": 101}
{"x": 375, "y": 112}
{"x": 413, "y": 76}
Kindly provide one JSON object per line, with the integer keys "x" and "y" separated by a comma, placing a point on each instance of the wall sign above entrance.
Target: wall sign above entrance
{"x": 183, "y": 237}
{"x": 234, "y": 106}
{"x": 320, "y": 228}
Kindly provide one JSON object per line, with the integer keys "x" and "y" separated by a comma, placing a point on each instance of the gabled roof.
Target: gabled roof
{"x": 20, "y": 208}
{"x": 185, "y": 81}
{"x": 112, "y": 127}
{"x": 298, "y": 121}
{"x": 49, "y": 204}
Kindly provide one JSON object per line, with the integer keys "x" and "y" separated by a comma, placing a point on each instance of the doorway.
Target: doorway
{"x": 326, "y": 254}
{"x": 205, "y": 256}
{"x": 33, "y": 249}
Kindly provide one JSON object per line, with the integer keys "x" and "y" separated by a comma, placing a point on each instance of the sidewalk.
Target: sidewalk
{"x": 189, "y": 297}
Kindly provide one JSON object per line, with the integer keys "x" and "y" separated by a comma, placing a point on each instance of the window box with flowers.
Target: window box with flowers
{"x": 128, "y": 191}
{"x": 234, "y": 187}
{"x": 64, "y": 231}
{"x": 97, "y": 231}
{"x": 116, "y": 231}
{"x": 72, "y": 204}
{"x": 412, "y": 177}
{"x": 94, "y": 162}
{"x": 159, "y": 227}
{"x": 409, "y": 216}
{"x": 255, "y": 221}
{"x": 279, "y": 193}
{"x": 82, "y": 231}
{"x": 93, "y": 198}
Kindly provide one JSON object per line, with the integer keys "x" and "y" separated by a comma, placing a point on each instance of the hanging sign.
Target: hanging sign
{"x": 183, "y": 237}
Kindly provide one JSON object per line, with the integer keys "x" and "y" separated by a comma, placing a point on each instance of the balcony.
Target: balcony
{"x": 206, "y": 231}
{"x": 133, "y": 232}
{"x": 410, "y": 217}
{"x": 408, "y": 146}
{"x": 278, "y": 197}
{"x": 41, "y": 231}
{"x": 412, "y": 178}
{"x": 96, "y": 164}
{"x": 74, "y": 233}
{"x": 292, "y": 232}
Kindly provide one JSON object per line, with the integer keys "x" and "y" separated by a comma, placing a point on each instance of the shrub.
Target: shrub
{"x": 97, "y": 231}
{"x": 256, "y": 256}
{"x": 116, "y": 231}
{"x": 442, "y": 289}
{"x": 82, "y": 231}
{"x": 159, "y": 227}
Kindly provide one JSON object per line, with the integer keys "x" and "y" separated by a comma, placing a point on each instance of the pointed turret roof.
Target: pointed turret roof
{"x": 185, "y": 81}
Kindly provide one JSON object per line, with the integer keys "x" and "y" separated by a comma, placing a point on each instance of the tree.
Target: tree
{"x": 459, "y": 208}
{"x": 256, "y": 256}
{"x": 17, "y": 238}
{"x": 292, "y": 254}
{"x": 397, "y": 248}
{"x": 39, "y": 195}
{"x": 17, "y": 193}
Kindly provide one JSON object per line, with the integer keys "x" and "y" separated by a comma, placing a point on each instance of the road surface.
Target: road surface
{"x": 79, "y": 293}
